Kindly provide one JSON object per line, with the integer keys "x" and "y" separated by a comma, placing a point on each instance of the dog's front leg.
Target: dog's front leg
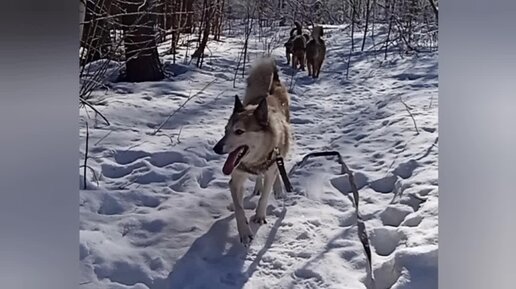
{"x": 261, "y": 210}
{"x": 236, "y": 185}
{"x": 258, "y": 186}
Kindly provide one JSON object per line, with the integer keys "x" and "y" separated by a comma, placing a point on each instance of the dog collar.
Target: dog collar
{"x": 261, "y": 167}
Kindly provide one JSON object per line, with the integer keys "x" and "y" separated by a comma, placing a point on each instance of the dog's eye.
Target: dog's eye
{"x": 239, "y": 132}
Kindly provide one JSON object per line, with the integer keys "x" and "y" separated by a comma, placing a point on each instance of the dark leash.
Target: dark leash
{"x": 283, "y": 173}
{"x": 362, "y": 233}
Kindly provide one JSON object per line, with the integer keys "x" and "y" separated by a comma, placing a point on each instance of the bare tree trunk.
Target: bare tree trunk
{"x": 248, "y": 30}
{"x": 142, "y": 59}
{"x": 161, "y": 7}
{"x": 189, "y": 15}
{"x": 353, "y": 3}
{"x": 208, "y": 17}
{"x": 366, "y": 24}
{"x": 386, "y": 10}
{"x": 96, "y": 30}
{"x": 391, "y": 19}
{"x": 217, "y": 19}
{"x": 82, "y": 16}
{"x": 434, "y": 8}
{"x": 412, "y": 11}
{"x": 221, "y": 20}
{"x": 215, "y": 5}
{"x": 374, "y": 10}
{"x": 175, "y": 29}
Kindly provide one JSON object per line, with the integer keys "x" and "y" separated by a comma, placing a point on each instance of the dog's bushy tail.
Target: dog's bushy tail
{"x": 299, "y": 28}
{"x": 261, "y": 77}
{"x": 293, "y": 32}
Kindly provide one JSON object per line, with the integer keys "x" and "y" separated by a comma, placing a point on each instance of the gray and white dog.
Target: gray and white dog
{"x": 257, "y": 132}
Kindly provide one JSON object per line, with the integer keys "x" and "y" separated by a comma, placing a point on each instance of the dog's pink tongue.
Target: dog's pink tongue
{"x": 229, "y": 165}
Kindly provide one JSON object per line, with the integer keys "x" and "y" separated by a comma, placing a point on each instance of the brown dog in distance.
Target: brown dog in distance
{"x": 315, "y": 52}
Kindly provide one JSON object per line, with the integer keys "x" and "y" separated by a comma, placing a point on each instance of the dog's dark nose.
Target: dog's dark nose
{"x": 218, "y": 148}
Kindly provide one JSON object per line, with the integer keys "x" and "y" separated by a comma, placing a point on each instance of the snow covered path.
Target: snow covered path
{"x": 159, "y": 217}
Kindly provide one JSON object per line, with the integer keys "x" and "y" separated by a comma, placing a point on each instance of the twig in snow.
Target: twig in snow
{"x": 85, "y": 102}
{"x": 410, "y": 113}
{"x": 218, "y": 95}
{"x": 181, "y": 106}
{"x": 246, "y": 42}
{"x": 178, "y": 138}
{"x": 135, "y": 145}
{"x": 434, "y": 144}
{"x": 179, "y": 135}
{"x": 236, "y": 69}
{"x": 93, "y": 172}
{"x": 169, "y": 137}
{"x": 86, "y": 156}
{"x": 348, "y": 63}
{"x": 103, "y": 137}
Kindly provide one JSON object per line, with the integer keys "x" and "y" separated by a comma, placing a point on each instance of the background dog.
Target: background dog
{"x": 307, "y": 37}
{"x": 315, "y": 52}
{"x": 288, "y": 44}
{"x": 298, "y": 48}
{"x": 256, "y": 128}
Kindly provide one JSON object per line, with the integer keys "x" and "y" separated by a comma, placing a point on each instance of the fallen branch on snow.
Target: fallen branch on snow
{"x": 410, "y": 113}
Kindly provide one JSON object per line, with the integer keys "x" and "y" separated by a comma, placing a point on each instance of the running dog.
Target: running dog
{"x": 315, "y": 52}
{"x": 257, "y": 132}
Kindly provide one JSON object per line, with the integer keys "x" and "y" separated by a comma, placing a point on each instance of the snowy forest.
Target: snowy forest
{"x": 158, "y": 80}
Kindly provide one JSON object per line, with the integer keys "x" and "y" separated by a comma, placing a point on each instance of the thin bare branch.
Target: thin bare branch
{"x": 85, "y": 102}
{"x": 181, "y": 106}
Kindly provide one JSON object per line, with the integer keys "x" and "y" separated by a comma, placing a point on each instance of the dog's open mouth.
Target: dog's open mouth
{"x": 234, "y": 159}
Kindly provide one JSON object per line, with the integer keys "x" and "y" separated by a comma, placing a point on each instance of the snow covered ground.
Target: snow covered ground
{"x": 158, "y": 216}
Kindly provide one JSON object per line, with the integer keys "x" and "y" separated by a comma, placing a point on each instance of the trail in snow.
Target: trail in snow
{"x": 160, "y": 219}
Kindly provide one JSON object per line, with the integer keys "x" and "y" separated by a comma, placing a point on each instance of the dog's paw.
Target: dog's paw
{"x": 246, "y": 236}
{"x": 246, "y": 240}
{"x": 258, "y": 219}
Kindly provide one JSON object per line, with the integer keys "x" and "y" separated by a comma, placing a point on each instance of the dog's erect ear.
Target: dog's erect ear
{"x": 239, "y": 107}
{"x": 261, "y": 113}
